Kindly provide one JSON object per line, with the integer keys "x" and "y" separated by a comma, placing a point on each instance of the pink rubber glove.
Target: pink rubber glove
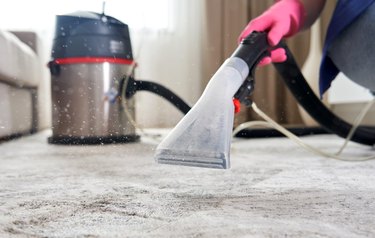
{"x": 283, "y": 19}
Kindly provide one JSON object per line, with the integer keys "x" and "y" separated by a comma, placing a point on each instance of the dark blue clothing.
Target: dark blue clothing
{"x": 346, "y": 12}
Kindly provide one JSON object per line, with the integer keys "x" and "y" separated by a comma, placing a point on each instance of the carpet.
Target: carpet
{"x": 273, "y": 189}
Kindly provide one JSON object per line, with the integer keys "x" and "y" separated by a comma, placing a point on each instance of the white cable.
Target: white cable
{"x": 125, "y": 101}
{"x": 271, "y": 123}
{"x": 250, "y": 124}
{"x": 356, "y": 124}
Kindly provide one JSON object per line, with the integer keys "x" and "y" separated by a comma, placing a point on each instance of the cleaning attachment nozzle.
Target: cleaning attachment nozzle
{"x": 203, "y": 137}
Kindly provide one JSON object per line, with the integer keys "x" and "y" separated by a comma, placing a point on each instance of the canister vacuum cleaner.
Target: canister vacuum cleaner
{"x": 91, "y": 73}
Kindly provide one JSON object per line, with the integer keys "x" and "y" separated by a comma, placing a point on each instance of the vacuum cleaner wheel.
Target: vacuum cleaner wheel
{"x": 92, "y": 140}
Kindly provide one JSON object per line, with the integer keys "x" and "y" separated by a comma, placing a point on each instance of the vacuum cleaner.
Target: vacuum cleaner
{"x": 91, "y": 75}
{"x": 91, "y": 52}
{"x": 203, "y": 137}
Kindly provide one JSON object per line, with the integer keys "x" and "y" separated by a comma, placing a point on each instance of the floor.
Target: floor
{"x": 274, "y": 189}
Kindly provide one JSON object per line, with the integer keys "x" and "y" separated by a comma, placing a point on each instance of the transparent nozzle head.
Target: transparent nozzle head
{"x": 206, "y": 159}
{"x": 203, "y": 137}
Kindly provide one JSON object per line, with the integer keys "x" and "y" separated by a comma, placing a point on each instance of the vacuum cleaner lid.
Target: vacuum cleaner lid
{"x": 90, "y": 34}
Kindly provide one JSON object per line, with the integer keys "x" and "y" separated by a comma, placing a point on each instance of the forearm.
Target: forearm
{"x": 313, "y": 8}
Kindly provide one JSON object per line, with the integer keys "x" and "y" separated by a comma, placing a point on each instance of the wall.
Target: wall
{"x": 343, "y": 90}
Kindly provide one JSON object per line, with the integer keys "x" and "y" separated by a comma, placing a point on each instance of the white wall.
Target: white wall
{"x": 343, "y": 90}
{"x": 171, "y": 58}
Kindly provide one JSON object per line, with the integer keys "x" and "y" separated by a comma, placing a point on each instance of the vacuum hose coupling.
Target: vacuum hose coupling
{"x": 251, "y": 50}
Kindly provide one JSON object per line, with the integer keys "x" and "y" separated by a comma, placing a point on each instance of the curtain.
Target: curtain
{"x": 171, "y": 57}
{"x": 225, "y": 19}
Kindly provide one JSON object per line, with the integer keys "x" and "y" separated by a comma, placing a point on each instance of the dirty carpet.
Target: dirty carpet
{"x": 273, "y": 189}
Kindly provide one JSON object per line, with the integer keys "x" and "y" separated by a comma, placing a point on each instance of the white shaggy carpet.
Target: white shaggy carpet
{"x": 274, "y": 189}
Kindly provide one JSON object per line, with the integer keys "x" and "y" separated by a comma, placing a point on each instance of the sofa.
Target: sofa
{"x": 24, "y": 87}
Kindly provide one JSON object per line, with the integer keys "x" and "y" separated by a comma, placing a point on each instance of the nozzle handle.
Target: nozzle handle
{"x": 252, "y": 49}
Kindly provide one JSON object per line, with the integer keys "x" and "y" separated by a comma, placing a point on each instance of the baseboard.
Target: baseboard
{"x": 349, "y": 111}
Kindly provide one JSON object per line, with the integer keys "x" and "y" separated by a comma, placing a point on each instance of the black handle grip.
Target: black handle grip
{"x": 252, "y": 49}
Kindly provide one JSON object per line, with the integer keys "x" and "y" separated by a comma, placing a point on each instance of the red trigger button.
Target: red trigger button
{"x": 237, "y": 105}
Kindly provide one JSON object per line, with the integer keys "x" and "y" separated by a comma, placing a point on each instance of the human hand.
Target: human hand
{"x": 283, "y": 19}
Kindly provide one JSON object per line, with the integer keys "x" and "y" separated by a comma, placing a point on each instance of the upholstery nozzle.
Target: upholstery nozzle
{"x": 203, "y": 137}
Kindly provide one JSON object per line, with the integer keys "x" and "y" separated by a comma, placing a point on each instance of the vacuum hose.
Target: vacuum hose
{"x": 304, "y": 95}
{"x": 256, "y": 45}
{"x": 140, "y": 85}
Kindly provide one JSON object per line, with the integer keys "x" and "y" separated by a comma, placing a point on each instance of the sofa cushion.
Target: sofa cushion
{"x": 19, "y": 64}
{"x": 16, "y": 110}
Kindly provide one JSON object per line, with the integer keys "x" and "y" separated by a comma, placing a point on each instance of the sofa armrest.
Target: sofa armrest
{"x": 29, "y": 38}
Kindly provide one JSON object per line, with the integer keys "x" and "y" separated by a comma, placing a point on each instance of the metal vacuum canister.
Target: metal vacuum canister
{"x": 91, "y": 54}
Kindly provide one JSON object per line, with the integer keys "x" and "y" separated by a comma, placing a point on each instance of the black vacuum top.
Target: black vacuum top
{"x": 90, "y": 34}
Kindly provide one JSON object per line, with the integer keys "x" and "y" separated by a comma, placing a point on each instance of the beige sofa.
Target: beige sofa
{"x": 23, "y": 85}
